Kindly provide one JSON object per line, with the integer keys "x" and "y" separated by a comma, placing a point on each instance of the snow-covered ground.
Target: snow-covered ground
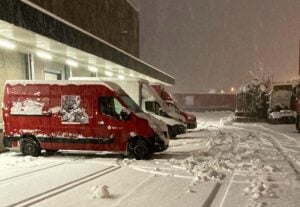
{"x": 220, "y": 163}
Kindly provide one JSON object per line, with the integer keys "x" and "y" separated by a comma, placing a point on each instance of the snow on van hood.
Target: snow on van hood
{"x": 168, "y": 121}
{"x": 156, "y": 124}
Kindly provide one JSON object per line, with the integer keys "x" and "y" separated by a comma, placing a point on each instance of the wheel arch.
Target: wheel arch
{"x": 31, "y": 136}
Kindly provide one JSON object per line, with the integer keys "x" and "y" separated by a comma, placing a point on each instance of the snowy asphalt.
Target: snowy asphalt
{"x": 220, "y": 163}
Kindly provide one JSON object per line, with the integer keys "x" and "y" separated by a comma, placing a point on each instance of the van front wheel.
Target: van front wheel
{"x": 30, "y": 147}
{"x": 139, "y": 149}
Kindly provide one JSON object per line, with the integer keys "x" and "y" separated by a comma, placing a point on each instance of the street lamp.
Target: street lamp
{"x": 232, "y": 89}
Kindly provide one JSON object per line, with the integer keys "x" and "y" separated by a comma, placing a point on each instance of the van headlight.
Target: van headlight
{"x": 190, "y": 117}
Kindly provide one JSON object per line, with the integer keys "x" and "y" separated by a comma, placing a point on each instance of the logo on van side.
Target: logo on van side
{"x": 71, "y": 112}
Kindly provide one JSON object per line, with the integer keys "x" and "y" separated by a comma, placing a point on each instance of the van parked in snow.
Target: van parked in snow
{"x": 280, "y": 102}
{"x": 190, "y": 119}
{"x": 150, "y": 102}
{"x": 76, "y": 115}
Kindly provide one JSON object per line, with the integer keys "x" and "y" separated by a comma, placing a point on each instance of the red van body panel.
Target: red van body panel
{"x": 37, "y": 110}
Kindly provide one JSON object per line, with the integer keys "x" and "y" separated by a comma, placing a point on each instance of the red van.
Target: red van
{"x": 76, "y": 115}
{"x": 190, "y": 119}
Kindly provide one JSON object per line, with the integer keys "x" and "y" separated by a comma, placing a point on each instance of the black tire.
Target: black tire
{"x": 139, "y": 149}
{"x": 30, "y": 147}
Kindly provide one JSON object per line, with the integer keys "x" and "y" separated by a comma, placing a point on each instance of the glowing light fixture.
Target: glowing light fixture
{"x": 44, "y": 55}
{"x": 72, "y": 63}
{"x": 7, "y": 44}
{"x": 222, "y": 91}
{"x": 108, "y": 73}
{"x": 232, "y": 89}
{"x": 92, "y": 69}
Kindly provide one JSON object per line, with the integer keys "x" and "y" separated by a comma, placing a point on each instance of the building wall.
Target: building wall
{"x": 42, "y": 66}
{"x": 114, "y": 21}
{"x": 12, "y": 67}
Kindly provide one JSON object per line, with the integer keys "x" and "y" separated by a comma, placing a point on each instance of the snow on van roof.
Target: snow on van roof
{"x": 108, "y": 84}
{"x": 114, "y": 79}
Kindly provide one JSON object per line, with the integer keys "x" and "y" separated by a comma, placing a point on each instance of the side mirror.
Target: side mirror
{"x": 125, "y": 114}
{"x": 161, "y": 112}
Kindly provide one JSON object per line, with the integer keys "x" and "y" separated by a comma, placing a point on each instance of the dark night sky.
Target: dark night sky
{"x": 208, "y": 44}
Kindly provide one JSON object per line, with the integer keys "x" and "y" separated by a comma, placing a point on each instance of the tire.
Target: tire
{"x": 139, "y": 149}
{"x": 30, "y": 147}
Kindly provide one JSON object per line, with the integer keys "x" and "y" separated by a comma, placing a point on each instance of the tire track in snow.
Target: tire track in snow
{"x": 236, "y": 145}
{"x": 3, "y": 180}
{"x": 29, "y": 173}
{"x": 272, "y": 139}
{"x": 133, "y": 190}
{"x": 64, "y": 187}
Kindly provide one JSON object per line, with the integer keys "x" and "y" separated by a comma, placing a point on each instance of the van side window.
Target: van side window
{"x": 173, "y": 108}
{"x": 152, "y": 106}
{"x": 149, "y": 106}
{"x": 110, "y": 106}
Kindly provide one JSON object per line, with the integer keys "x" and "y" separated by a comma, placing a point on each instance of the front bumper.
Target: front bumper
{"x": 176, "y": 129}
{"x": 283, "y": 116}
{"x": 191, "y": 125}
{"x": 158, "y": 144}
{"x": 180, "y": 129}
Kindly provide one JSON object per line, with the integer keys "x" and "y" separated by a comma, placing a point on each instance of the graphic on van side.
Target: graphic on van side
{"x": 71, "y": 112}
{"x": 28, "y": 107}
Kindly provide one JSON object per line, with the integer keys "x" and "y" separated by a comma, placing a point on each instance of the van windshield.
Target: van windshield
{"x": 132, "y": 106}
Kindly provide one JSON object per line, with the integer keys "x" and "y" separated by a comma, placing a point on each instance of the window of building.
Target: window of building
{"x": 189, "y": 100}
{"x": 52, "y": 74}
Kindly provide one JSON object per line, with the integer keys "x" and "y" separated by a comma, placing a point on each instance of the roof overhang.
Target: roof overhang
{"x": 33, "y": 28}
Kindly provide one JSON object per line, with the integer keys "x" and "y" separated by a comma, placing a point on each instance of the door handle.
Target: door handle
{"x": 101, "y": 122}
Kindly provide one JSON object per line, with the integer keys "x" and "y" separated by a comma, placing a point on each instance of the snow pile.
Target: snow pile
{"x": 260, "y": 189}
{"x": 100, "y": 192}
{"x": 27, "y": 107}
{"x": 127, "y": 161}
{"x": 22, "y": 161}
{"x": 210, "y": 163}
{"x": 224, "y": 121}
{"x": 221, "y": 155}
